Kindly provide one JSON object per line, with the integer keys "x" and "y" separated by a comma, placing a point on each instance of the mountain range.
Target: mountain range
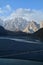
{"x": 21, "y": 24}
{"x": 25, "y": 20}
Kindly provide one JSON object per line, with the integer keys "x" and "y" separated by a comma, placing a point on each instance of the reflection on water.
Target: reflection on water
{"x": 18, "y": 62}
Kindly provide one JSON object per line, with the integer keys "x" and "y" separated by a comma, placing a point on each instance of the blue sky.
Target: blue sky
{"x": 33, "y": 4}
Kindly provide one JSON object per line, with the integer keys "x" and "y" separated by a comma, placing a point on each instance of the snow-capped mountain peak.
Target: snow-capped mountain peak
{"x": 23, "y": 20}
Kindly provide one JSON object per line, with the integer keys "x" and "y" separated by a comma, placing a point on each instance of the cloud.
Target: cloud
{"x": 1, "y": 11}
{"x": 8, "y": 7}
{"x": 6, "y": 10}
{"x": 28, "y": 14}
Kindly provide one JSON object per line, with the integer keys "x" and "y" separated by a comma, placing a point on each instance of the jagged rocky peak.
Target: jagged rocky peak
{"x": 34, "y": 26}
{"x": 31, "y": 27}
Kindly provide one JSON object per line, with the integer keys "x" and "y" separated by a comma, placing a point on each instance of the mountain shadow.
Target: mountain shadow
{"x": 19, "y": 34}
{"x": 38, "y": 34}
{"x": 3, "y": 32}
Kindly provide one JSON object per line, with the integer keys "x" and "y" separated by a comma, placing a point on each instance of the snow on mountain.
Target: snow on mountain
{"x": 14, "y": 24}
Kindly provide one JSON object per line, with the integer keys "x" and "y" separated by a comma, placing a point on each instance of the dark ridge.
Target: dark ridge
{"x": 38, "y": 34}
{"x": 4, "y": 32}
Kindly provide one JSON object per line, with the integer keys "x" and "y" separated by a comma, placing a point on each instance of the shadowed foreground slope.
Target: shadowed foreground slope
{"x": 13, "y": 46}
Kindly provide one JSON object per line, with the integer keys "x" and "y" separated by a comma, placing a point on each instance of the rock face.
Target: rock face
{"x": 41, "y": 24}
{"x": 32, "y": 27}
